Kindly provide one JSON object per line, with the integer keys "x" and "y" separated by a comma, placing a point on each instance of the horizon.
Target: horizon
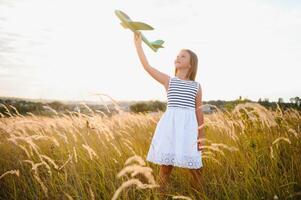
{"x": 136, "y": 100}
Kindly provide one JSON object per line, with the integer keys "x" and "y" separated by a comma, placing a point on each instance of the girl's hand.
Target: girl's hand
{"x": 200, "y": 145}
{"x": 137, "y": 38}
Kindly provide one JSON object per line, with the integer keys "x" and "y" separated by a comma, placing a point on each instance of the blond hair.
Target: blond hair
{"x": 194, "y": 65}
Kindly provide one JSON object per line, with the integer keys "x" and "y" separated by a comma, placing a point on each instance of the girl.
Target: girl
{"x": 177, "y": 140}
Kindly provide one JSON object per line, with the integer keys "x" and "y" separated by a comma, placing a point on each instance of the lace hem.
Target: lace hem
{"x": 192, "y": 162}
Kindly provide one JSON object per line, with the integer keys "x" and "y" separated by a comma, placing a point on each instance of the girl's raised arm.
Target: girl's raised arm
{"x": 156, "y": 74}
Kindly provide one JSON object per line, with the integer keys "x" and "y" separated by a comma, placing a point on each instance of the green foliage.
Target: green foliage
{"x": 229, "y": 106}
{"x": 150, "y": 106}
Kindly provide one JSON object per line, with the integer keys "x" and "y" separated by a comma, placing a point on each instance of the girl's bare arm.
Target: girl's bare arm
{"x": 156, "y": 74}
{"x": 200, "y": 118}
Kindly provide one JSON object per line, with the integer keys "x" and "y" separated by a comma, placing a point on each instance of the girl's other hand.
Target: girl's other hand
{"x": 200, "y": 146}
{"x": 137, "y": 38}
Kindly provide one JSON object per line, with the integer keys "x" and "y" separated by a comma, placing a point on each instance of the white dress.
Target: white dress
{"x": 175, "y": 139}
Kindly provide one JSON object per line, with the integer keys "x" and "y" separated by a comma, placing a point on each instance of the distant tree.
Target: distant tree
{"x": 292, "y": 100}
{"x": 56, "y": 105}
{"x": 139, "y": 107}
{"x": 156, "y": 106}
{"x": 297, "y": 100}
{"x": 150, "y": 106}
{"x": 230, "y": 105}
{"x": 280, "y": 100}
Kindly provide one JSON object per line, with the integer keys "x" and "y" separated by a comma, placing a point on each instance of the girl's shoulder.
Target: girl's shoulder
{"x": 198, "y": 85}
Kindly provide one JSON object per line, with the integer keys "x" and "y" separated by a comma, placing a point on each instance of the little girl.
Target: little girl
{"x": 177, "y": 140}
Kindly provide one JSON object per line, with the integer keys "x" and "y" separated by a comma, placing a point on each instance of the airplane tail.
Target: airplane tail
{"x": 157, "y": 44}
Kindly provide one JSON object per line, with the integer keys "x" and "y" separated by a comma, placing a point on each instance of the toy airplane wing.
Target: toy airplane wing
{"x": 137, "y": 25}
{"x": 127, "y": 23}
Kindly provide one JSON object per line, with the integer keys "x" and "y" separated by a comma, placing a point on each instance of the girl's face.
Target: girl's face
{"x": 182, "y": 60}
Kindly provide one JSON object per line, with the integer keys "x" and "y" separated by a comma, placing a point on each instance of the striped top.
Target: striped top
{"x": 182, "y": 93}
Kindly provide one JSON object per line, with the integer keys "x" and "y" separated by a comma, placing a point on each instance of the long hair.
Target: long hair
{"x": 194, "y": 65}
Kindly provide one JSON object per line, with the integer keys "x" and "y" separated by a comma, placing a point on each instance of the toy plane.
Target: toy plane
{"x": 127, "y": 23}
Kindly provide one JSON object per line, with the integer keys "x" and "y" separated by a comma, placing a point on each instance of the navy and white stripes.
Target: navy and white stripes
{"x": 182, "y": 93}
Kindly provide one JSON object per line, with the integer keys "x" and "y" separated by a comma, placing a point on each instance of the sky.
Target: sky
{"x": 75, "y": 49}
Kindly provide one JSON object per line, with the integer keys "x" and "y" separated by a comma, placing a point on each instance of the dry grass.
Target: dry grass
{"x": 250, "y": 153}
{"x": 16, "y": 172}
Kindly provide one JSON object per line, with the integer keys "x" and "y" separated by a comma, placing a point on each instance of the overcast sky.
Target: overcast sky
{"x": 70, "y": 50}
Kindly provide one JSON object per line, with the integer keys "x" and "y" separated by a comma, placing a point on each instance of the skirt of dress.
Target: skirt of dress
{"x": 175, "y": 139}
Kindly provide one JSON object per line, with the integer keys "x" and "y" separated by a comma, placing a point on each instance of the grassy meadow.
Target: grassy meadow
{"x": 250, "y": 153}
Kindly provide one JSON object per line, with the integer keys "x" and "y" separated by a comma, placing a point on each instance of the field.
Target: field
{"x": 250, "y": 153}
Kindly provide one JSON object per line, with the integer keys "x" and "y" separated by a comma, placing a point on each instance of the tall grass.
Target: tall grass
{"x": 250, "y": 153}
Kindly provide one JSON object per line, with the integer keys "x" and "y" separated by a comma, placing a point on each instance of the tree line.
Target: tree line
{"x": 24, "y": 107}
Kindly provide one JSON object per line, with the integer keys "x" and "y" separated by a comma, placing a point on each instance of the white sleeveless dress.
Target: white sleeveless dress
{"x": 175, "y": 139}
